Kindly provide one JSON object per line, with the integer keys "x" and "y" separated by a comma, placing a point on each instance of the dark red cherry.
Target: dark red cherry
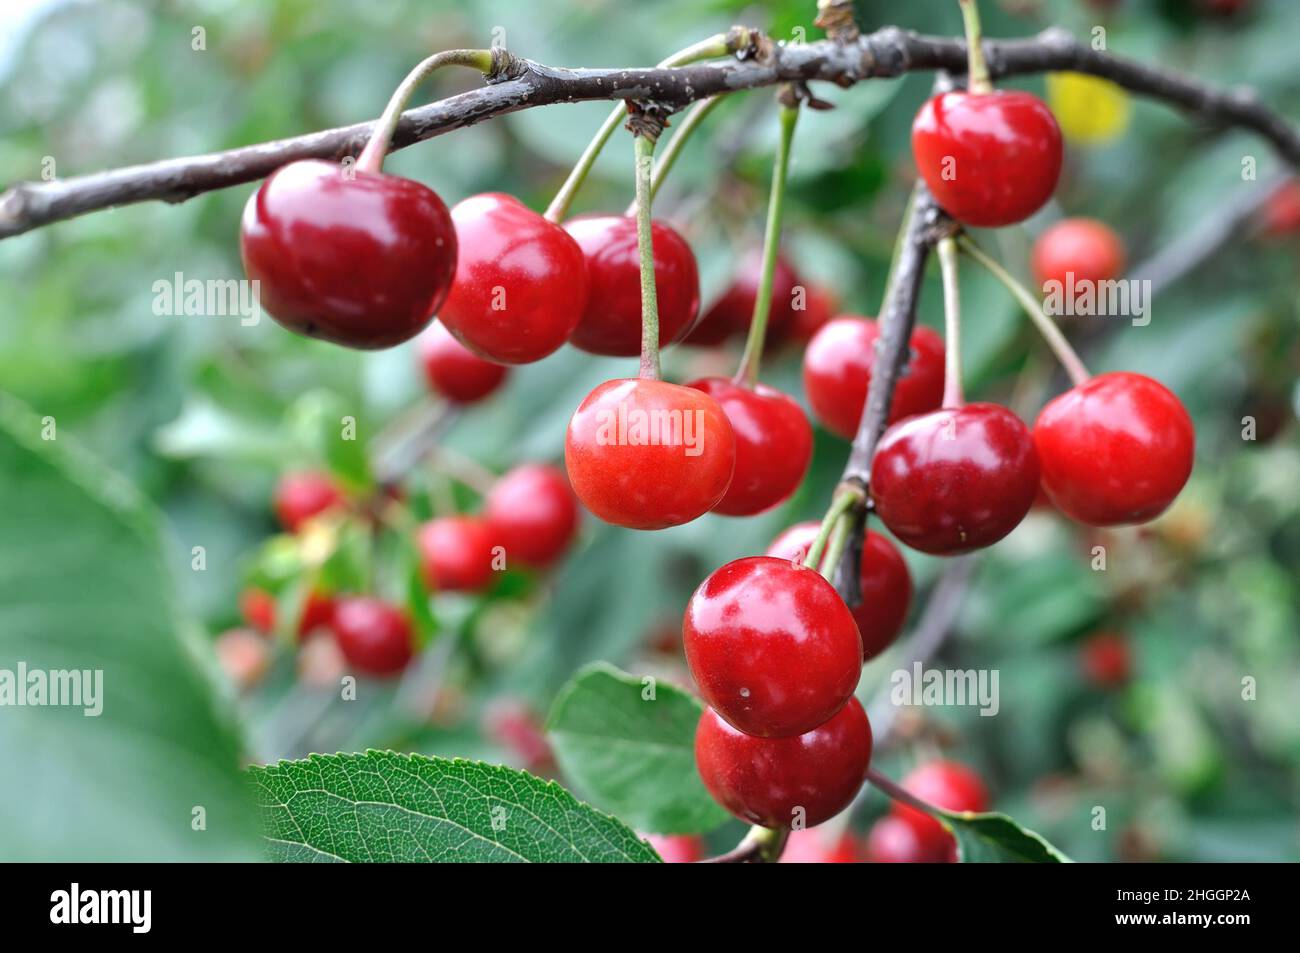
{"x": 837, "y": 372}
{"x": 456, "y": 372}
{"x": 893, "y": 840}
{"x": 300, "y": 496}
{"x": 1115, "y": 449}
{"x": 772, "y": 646}
{"x": 773, "y": 444}
{"x": 647, "y": 454}
{"x": 1083, "y": 248}
{"x": 886, "y": 584}
{"x": 956, "y": 479}
{"x": 374, "y": 637}
{"x": 359, "y": 258}
{"x": 457, "y": 553}
{"x": 945, "y": 784}
{"x": 784, "y": 782}
{"x": 611, "y": 322}
{"x": 1106, "y": 659}
{"x": 990, "y": 159}
{"x": 532, "y": 514}
{"x": 521, "y": 281}
{"x": 731, "y": 314}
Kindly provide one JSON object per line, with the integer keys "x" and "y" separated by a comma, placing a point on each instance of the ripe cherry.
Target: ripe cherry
{"x": 1116, "y": 449}
{"x": 1281, "y": 216}
{"x": 677, "y": 848}
{"x": 945, "y": 784}
{"x": 837, "y": 372}
{"x": 456, "y": 372}
{"x": 647, "y": 454}
{"x": 257, "y": 606}
{"x": 303, "y": 495}
{"x": 457, "y": 553}
{"x": 374, "y": 636}
{"x": 731, "y": 314}
{"x": 259, "y": 611}
{"x": 511, "y": 723}
{"x": 521, "y": 282}
{"x": 773, "y": 444}
{"x": 243, "y": 655}
{"x": 1084, "y": 248}
{"x": 359, "y": 258}
{"x": 1106, "y": 659}
{"x": 893, "y": 840}
{"x": 772, "y": 646}
{"x": 956, "y": 479}
{"x": 776, "y": 781}
{"x": 611, "y": 321}
{"x": 990, "y": 159}
{"x": 532, "y": 514}
{"x": 816, "y": 845}
{"x": 886, "y": 584}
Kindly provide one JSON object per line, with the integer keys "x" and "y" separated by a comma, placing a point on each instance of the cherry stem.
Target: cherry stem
{"x": 645, "y": 151}
{"x": 760, "y": 845}
{"x": 898, "y": 793}
{"x": 977, "y": 80}
{"x": 842, "y": 502}
{"x": 747, "y": 373}
{"x": 715, "y": 46}
{"x": 952, "y": 391}
{"x": 372, "y": 156}
{"x": 1034, "y": 308}
{"x": 463, "y": 469}
{"x": 698, "y": 113}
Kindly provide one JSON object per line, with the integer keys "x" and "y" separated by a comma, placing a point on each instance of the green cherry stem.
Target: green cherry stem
{"x": 645, "y": 151}
{"x": 952, "y": 392}
{"x": 841, "y": 503}
{"x": 372, "y": 156}
{"x": 747, "y": 373}
{"x": 977, "y": 71}
{"x": 1034, "y": 308}
{"x": 698, "y": 113}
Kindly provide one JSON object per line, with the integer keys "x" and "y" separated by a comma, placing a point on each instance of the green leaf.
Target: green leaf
{"x": 633, "y": 756}
{"x": 385, "y": 806}
{"x": 997, "y": 839}
{"x": 84, "y": 586}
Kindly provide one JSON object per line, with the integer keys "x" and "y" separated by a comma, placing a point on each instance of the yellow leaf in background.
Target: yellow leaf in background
{"x": 1089, "y": 110}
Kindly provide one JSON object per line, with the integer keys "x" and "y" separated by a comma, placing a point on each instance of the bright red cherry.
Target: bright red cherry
{"x": 521, "y": 281}
{"x": 359, "y": 258}
{"x": 1281, "y": 216}
{"x": 647, "y": 454}
{"x": 990, "y": 159}
{"x": 731, "y": 314}
{"x": 1084, "y": 248}
{"x": 773, "y": 444}
{"x": 374, "y": 637}
{"x": 816, "y": 845}
{"x": 456, "y": 553}
{"x": 301, "y": 496}
{"x": 456, "y": 372}
{"x": 956, "y": 479}
{"x": 772, "y": 646}
{"x": 1106, "y": 659}
{"x": 776, "y": 781}
{"x": 532, "y": 514}
{"x": 945, "y": 784}
{"x": 611, "y": 322}
{"x": 837, "y": 372}
{"x": 257, "y": 606}
{"x": 1116, "y": 449}
{"x": 819, "y": 306}
{"x": 886, "y": 584}
{"x": 677, "y": 848}
{"x": 893, "y": 840}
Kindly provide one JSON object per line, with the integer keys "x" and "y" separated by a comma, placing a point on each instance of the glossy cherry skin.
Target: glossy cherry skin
{"x": 1083, "y": 247}
{"x": 532, "y": 514}
{"x": 772, "y": 646}
{"x": 731, "y": 314}
{"x": 955, "y": 480}
{"x": 359, "y": 258}
{"x": 301, "y": 496}
{"x": 773, "y": 444}
{"x": 611, "y": 321}
{"x": 647, "y": 454}
{"x": 677, "y": 848}
{"x": 456, "y": 552}
{"x": 1116, "y": 449}
{"x": 886, "y": 584}
{"x": 945, "y": 784}
{"x": 773, "y": 781}
{"x": 990, "y": 159}
{"x": 893, "y": 840}
{"x": 1106, "y": 659}
{"x": 456, "y": 372}
{"x": 837, "y": 372}
{"x": 374, "y": 636}
{"x": 521, "y": 281}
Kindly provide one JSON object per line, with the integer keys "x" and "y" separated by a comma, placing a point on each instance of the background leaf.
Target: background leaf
{"x": 997, "y": 839}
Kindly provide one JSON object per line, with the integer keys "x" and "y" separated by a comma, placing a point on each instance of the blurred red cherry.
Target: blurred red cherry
{"x": 456, "y": 372}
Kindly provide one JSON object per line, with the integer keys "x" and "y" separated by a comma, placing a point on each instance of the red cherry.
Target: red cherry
{"x": 815, "y": 845}
{"x": 243, "y": 655}
{"x": 731, "y": 314}
{"x": 1106, "y": 659}
{"x": 521, "y": 282}
{"x": 317, "y": 613}
{"x": 259, "y": 611}
{"x": 257, "y": 606}
{"x": 893, "y": 840}
{"x": 773, "y": 444}
{"x": 772, "y": 646}
{"x": 456, "y": 553}
{"x": 1082, "y": 247}
{"x": 359, "y": 258}
{"x": 456, "y": 372}
{"x": 1116, "y": 449}
{"x": 611, "y": 322}
{"x": 956, "y": 479}
{"x": 301, "y": 496}
{"x": 990, "y": 159}
{"x": 374, "y": 637}
{"x": 837, "y": 372}
{"x": 945, "y": 784}
{"x": 819, "y": 306}
{"x": 886, "y": 584}
{"x": 677, "y": 848}
{"x": 776, "y": 781}
{"x": 532, "y": 514}
{"x": 512, "y": 724}
{"x": 647, "y": 454}
{"x": 1281, "y": 216}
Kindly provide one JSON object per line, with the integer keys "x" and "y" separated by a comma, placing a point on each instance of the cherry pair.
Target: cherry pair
{"x": 259, "y": 611}
{"x": 911, "y": 836}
